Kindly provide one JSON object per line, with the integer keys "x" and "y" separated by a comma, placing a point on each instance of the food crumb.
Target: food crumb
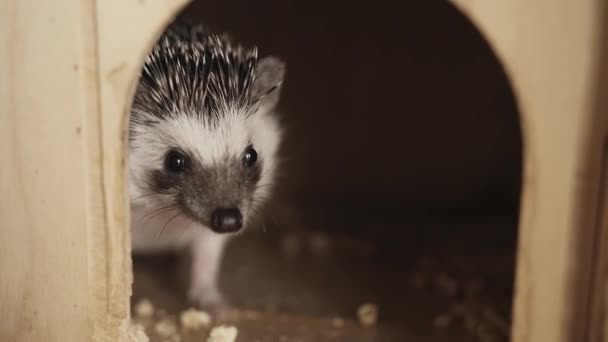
{"x": 447, "y": 285}
{"x": 443, "y": 321}
{"x": 223, "y": 333}
{"x": 486, "y": 334}
{"x": 137, "y": 333}
{"x": 497, "y": 321}
{"x": 193, "y": 319}
{"x": 337, "y": 322}
{"x": 368, "y": 314}
{"x": 319, "y": 244}
{"x": 165, "y": 328}
{"x": 290, "y": 245}
{"x": 144, "y": 309}
{"x": 471, "y": 322}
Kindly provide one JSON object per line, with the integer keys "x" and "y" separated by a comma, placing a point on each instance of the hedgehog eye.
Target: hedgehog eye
{"x": 250, "y": 156}
{"x": 176, "y": 161}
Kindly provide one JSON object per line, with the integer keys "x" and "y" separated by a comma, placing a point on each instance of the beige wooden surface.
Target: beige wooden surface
{"x": 126, "y": 30}
{"x": 64, "y": 253}
{"x": 46, "y": 93}
{"x": 64, "y": 94}
{"x": 551, "y": 51}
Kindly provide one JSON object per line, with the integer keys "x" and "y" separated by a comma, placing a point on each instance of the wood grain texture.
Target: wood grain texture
{"x": 67, "y": 69}
{"x": 67, "y": 75}
{"x": 598, "y": 296}
{"x": 551, "y": 50}
{"x": 126, "y": 31}
{"x": 44, "y": 207}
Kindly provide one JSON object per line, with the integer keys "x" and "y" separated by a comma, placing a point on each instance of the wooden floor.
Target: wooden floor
{"x": 291, "y": 284}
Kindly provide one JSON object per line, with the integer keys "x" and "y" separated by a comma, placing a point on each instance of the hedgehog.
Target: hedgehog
{"x": 203, "y": 139}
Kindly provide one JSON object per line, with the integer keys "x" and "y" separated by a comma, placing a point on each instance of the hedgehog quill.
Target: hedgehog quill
{"x": 203, "y": 141}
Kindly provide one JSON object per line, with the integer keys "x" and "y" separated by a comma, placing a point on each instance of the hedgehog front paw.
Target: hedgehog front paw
{"x": 210, "y": 300}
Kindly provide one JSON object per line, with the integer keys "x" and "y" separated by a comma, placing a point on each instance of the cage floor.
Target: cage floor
{"x": 305, "y": 286}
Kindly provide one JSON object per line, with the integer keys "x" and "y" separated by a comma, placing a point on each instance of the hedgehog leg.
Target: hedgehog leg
{"x": 206, "y": 251}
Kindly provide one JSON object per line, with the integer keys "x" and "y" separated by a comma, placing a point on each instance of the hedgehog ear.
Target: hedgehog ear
{"x": 269, "y": 76}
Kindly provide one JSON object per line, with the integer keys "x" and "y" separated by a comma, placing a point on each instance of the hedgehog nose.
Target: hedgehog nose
{"x": 226, "y": 220}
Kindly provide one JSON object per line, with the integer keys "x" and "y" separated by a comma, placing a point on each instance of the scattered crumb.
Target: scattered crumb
{"x": 137, "y": 333}
{"x": 319, "y": 244}
{"x": 223, "y": 333}
{"x": 165, "y": 328}
{"x": 193, "y": 319}
{"x": 443, "y": 321}
{"x": 337, "y": 322}
{"x": 445, "y": 284}
{"x": 486, "y": 334}
{"x": 144, "y": 309}
{"x": 368, "y": 314}
{"x": 486, "y": 323}
{"x": 471, "y": 322}
{"x": 497, "y": 321}
{"x": 290, "y": 245}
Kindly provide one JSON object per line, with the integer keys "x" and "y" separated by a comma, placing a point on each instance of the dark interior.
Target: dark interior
{"x": 402, "y": 164}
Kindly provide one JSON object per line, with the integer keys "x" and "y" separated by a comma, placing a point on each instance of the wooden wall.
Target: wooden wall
{"x": 554, "y": 53}
{"x": 67, "y": 72}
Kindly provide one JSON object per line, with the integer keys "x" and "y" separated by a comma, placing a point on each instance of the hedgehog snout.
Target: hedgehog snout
{"x": 226, "y": 220}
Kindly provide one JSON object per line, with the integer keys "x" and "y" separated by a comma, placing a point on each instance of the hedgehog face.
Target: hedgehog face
{"x": 214, "y": 174}
{"x": 205, "y": 143}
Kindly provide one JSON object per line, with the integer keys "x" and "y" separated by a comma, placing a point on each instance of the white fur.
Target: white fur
{"x": 208, "y": 145}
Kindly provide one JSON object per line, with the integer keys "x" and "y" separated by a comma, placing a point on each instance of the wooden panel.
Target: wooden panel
{"x": 551, "y": 51}
{"x": 47, "y": 97}
{"x": 64, "y": 97}
{"x": 126, "y": 30}
{"x": 598, "y": 298}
